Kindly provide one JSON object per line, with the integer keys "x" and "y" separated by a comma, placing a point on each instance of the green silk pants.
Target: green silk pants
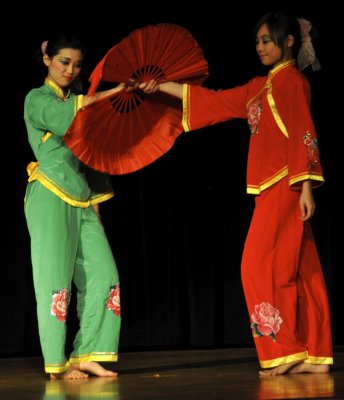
{"x": 68, "y": 244}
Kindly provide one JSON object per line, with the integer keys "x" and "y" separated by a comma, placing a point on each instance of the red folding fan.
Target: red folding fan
{"x": 129, "y": 130}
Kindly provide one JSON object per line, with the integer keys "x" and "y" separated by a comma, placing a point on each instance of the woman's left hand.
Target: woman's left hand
{"x": 307, "y": 203}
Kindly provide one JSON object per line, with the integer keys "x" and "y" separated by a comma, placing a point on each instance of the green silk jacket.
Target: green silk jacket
{"x": 48, "y": 115}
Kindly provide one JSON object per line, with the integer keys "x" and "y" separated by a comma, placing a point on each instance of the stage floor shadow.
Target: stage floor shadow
{"x": 215, "y": 374}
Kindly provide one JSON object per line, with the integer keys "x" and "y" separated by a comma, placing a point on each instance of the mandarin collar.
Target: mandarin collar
{"x": 279, "y": 67}
{"x": 57, "y": 89}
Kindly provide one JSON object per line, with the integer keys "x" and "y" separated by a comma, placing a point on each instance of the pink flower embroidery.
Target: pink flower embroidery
{"x": 253, "y": 116}
{"x": 113, "y": 303}
{"x": 311, "y": 149}
{"x": 60, "y": 304}
{"x": 266, "y": 320}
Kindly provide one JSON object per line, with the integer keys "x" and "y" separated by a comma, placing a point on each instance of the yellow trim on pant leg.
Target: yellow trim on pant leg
{"x": 319, "y": 360}
{"x": 284, "y": 360}
{"x": 102, "y": 356}
{"x": 57, "y": 368}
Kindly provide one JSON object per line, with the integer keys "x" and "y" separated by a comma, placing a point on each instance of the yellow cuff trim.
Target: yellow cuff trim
{"x": 103, "y": 356}
{"x": 57, "y": 368}
{"x": 284, "y": 360}
{"x": 79, "y": 103}
{"x": 186, "y": 102}
{"x": 319, "y": 360}
{"x": 318, "y": 178}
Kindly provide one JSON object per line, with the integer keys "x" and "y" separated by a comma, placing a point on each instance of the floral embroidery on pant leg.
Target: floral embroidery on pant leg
{"x": 113, "y": 303}
{"x": 60, "y": 303}
{"x": 266, "y": 320}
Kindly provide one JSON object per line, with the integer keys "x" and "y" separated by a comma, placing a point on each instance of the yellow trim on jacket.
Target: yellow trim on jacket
{"x": 274, "y": 111}
{"x": 35, "y": 174}
{"x": 269, "y": 182}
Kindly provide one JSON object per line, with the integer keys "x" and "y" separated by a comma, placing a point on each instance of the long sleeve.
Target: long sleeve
{"x": 303, "y": 154}
{"x": 203, "y": 107}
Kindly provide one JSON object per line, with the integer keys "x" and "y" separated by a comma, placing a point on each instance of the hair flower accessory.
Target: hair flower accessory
{"x": 44, "y": 47}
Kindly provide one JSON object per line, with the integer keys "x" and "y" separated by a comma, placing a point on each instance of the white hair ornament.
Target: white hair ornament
{"x": 306, "y": 55}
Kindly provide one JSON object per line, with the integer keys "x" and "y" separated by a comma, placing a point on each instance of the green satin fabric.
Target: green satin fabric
{"x": 69, "y": 244}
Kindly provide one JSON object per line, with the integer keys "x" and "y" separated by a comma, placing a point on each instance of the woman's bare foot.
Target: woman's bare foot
{"x": 96, "y": 369}
{"x": 280, "y": 370}
{"x": 71, "y": 373}
{"x": 310, "y": 368}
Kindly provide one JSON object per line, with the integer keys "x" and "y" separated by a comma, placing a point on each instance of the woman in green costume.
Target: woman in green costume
{"x": 68, "y": 243}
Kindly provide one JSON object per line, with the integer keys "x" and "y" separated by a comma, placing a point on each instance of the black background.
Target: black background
{"x": 176, "y": 227}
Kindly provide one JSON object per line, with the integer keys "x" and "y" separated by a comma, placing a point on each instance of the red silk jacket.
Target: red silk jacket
{"x": 277, "y": 108}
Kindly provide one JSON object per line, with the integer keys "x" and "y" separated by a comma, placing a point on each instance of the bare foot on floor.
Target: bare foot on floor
{"x": 280, "y": 370}
{"x": 96, "y": 369}
{"x": 310, "y": 368}
{"x": 71, "y": 373}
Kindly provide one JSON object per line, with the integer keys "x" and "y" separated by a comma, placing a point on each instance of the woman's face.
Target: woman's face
{"x": 64, "y": 67}
{"x": 269, "y": 53}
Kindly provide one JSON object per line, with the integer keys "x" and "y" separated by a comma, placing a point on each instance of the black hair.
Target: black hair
{"x": 280, "y": 26}
{"x": 63, "y": 41}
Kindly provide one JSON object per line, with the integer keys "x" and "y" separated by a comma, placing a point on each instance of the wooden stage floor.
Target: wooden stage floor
{"x": 216, "y": 374}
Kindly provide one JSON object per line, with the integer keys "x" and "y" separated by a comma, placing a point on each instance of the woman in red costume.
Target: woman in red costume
{"x": 281, "y": 273}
